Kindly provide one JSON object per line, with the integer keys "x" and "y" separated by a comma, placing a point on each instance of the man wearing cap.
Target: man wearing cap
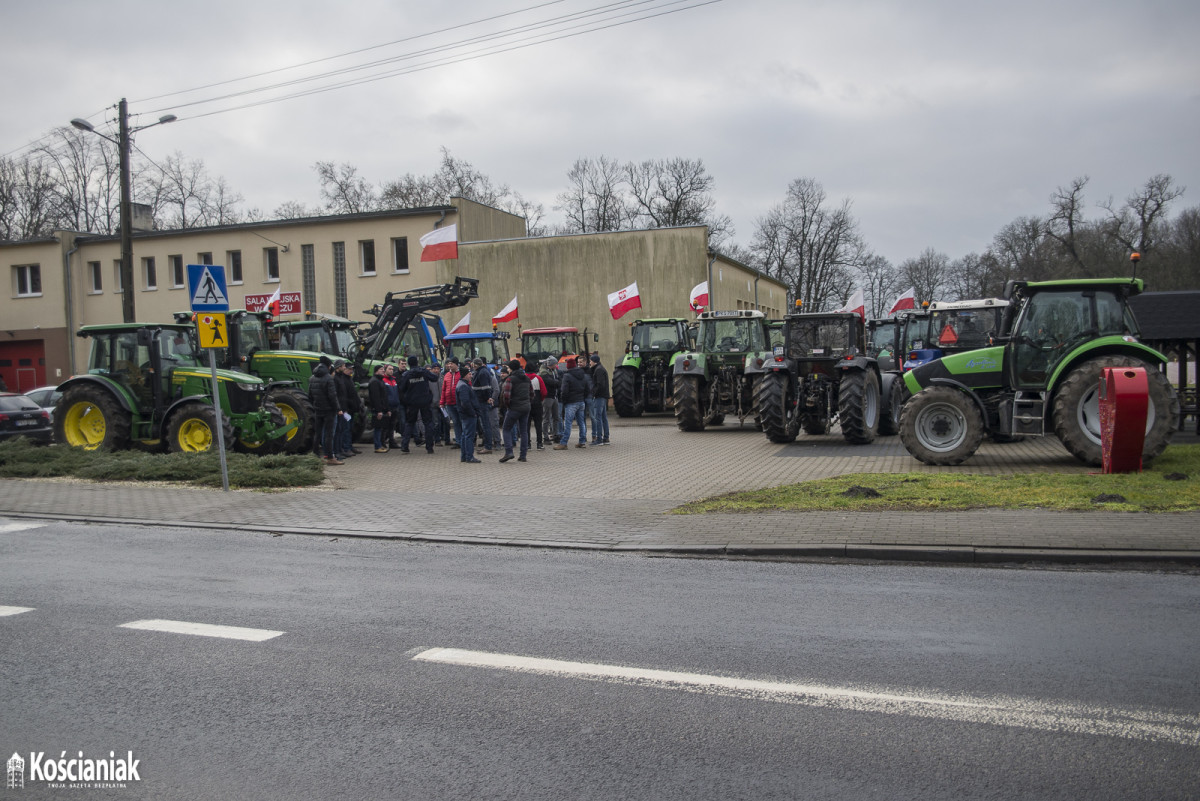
{"x": 469, "y": 411}
{"x": 417, "y": 399}
{"x": 516, "y": 400}
{"x": 599, "y": 401}
{"x": 348, "y": 400}
{"x": 487, "y": 391}
{"x": 323, "y": 394}
{"x": 573, "y": 394}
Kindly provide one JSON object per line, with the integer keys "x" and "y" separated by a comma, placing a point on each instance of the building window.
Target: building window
{"x": 341, "y": 306}
{"x": 400, "y": 254}
{"x": 204, "y": 258}
{"x": 118, "y": 285}
{"x": 27, "y": 280}
{"x": 271, "y": 263}
{"x": 150, "y": 271}
{"x": 97, "y": 277}
{"x": 308, "y": 275}
{"x": 366, "y": 256}
{"x": 233, "y": 258}
{"x": 178, "y": 276}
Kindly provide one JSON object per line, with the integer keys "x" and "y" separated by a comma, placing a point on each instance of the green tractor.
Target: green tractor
{"x": 643, "y": 381}
{"x": 146, "y": 385}
{"x": 710, "y": 379}
{"x": 1044, "y": 371}
{"x": 316, "y": 333}
{"x": 822, "y": 373}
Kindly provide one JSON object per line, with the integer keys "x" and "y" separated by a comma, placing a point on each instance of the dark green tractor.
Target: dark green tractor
{"x": 644, "y": 380}
{"x": 1042, "y": 376}
{"x": 710, "y": 379}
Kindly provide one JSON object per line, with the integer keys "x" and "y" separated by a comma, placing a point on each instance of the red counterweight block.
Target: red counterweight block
{"x": 1124, "y": 400}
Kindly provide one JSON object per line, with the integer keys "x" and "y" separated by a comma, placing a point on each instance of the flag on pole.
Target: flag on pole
{"x": 856, "y": 304}
{"x": 624, "y": 300}
{"x": 440, "y": 243}
{"x": 699, "y": 297}
{"x": 906, "y": 301}
{"x": 508, "y": 313}
{"x": 273, "y": 303}
{"x": 463, "y": 326}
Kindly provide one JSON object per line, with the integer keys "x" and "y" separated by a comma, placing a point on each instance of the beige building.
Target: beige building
{"x": 344, "y": 264}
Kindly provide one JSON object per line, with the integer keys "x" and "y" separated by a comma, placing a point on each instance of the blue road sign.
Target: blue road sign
{"x": 206, "y": 287}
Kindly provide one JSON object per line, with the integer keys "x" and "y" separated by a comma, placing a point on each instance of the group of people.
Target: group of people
{"x": 466, "y": 402}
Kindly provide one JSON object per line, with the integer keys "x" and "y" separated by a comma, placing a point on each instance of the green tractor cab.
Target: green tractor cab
{"x": 644, "y": 380}
{"x": 1042, "y": 377}
{"x": 710, "y": 380}
{"x": 148, "y": 385}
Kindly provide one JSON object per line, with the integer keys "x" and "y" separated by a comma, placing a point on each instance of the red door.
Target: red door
{"x": 23, "y": 364}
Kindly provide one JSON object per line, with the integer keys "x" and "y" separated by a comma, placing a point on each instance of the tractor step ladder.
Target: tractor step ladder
{"x": 1029, "y": 413}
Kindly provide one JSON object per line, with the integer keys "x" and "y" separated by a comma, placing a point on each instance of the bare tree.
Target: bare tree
{"x": 927, "y": 273}
{"x": 1138, "y": 225}
{"x": 976, "y": 276}
{"x": 1022, "y": 250}
{"x": 594, "y": 202}
{"x": 89, "y": 182}
{"x": 1065, "y": 223}
{"x": 674, "y": 192}
{"x": 342, "y": 190}
{"x": 29, "y": 199}
{"x": 292, "y": 210}
{"x": 880, "y": 284}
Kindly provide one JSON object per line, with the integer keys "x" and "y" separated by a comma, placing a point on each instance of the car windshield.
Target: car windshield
{"x": 17, "y": 403}
{"x": 737, "y": 335}
{"x": 554, "y": 345}
{"x": 656, "y": 336}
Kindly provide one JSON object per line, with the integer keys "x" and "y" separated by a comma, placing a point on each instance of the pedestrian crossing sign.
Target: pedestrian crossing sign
{"x": 213, "y": 333}
{"x": 206, "y": 286}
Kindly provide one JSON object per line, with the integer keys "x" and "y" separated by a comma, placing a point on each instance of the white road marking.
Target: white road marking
{"x": 14, "y": 610}
{"x": 1131, "y": 724}
{"x": 7, "y": 527}
{"x": 202, "y": 629}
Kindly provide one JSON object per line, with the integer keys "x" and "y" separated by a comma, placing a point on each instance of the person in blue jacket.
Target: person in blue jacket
{"x": 470, "y": 411}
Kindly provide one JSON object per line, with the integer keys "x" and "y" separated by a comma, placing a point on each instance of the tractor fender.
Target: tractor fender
{"x": 115, "y": 389}
{"x": 691, "y": 364}
{"x": 950, "y": 382}
{"x": 631, "y": 360}
{"x": 175, "y": 404}
{"x": 859, "y": 363}
{"x": 1105, "y": 346}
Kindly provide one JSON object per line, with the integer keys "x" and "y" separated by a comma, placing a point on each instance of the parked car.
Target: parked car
{"x": 19, "y": 416}
{"x": 46, "y": 397}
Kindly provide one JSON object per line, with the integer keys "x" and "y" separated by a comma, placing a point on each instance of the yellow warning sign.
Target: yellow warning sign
{"x": 212, "y": 330}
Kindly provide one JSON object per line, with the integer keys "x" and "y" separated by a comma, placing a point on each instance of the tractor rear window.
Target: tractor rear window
{"x": 663, "y": 336}
{"x": 821, "y": 338}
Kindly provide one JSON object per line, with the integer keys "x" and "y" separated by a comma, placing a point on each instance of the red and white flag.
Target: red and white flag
{"x": 856, "y": 304}
{"x": 624, "y": 300}
{"x": 440, "y": 243}
{"x": 273, "y": 303}
{"x": 463, "y": 326}
{"x": 508, "y": 313}
{"x": 699, "y": 297}
{"x": 906, "y": 301}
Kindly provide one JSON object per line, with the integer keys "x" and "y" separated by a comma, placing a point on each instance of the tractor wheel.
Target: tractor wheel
{"x": 295, "y": 405}
{"x": 89, "y": 417}
{"x": 624, "y": 392}
{"x": 1077, "y": 409}
{"x": 941, "y": 426}
{"x": 777, "y": 408}
{"x": 689, "y": 414}
{"x": 193, "y": 429}
{"x": 858, "y": 406}
{"x": 893, "y": 401}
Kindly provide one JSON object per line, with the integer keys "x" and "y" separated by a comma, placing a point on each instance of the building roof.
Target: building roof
{"x": 1167, "y": 315}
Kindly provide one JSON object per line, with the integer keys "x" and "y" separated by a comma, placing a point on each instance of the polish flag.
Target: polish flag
{"x": 699, "y": 297}
{"x": 906, "y": 301}
{"x": 273, "y": 303}
{"x": 508, "y": 313}
{"x": 624, "y": 300}
{"x": 440, "y": 243}
{"x": 463, "y": 326}
{"x": 856, "y": 304}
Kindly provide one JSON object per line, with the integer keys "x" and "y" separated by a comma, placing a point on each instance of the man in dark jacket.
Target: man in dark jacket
{"x": 469, "y": 411}
{"x": 482, "y": 383}
{"x": 599, "y": 402}
{"x": 573, "y": 394}
{"x": 516, "y": 400}
{"x": 347, "y": 391}
{"x": 381, "y": 409}
{"x": 323, "y": 394}
{"x": 418, "y": 397}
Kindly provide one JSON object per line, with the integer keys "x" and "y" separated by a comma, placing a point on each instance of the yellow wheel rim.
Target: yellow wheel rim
{"x": 195, "y": 436}
{"x": 289, "y": 414}
{"x": 84, "y": 426}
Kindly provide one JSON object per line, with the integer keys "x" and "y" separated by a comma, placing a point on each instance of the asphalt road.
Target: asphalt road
{"x": 390, "y": 670}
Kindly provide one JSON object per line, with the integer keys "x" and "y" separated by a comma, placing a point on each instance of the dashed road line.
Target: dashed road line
{"x": 202, "y": 629}
{"x": 6, "y": 527}
{"x": 1130, "y": 724}
{"x": 14, "y": 610}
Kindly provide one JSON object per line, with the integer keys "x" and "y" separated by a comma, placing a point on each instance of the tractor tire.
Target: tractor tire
{"x": 941, "y": 426}
{"x": 858, "y": 406}
{"x": 88, "y": 416}
{"x": 193, "y": 429}
{"x": 624, "y": 393}
{"x": 1076, "y": 409}
{"x": 893, "y": 402}
{"x": 776, "y": 408}
{"x": 689, "y": 414}
{"x": 295, "y": 405}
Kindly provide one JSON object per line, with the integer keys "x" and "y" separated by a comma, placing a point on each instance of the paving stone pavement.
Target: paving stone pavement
{"x": 619, "y": 498}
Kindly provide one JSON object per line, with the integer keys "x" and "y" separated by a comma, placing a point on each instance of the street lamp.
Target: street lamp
{"x": 123, "y": 143}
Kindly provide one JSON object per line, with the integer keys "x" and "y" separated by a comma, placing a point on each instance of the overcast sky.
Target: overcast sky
{"x": 940, "y": 121}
